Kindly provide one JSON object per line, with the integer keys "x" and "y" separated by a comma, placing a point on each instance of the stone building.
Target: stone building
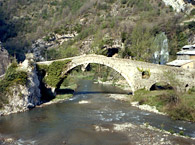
{"x": 185, "y": 58}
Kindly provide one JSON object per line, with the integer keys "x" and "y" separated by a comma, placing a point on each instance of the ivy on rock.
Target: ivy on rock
{"x": 53, "y": 73}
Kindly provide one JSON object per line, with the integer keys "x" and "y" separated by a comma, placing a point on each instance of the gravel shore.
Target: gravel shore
{"x": 144, "y": 135}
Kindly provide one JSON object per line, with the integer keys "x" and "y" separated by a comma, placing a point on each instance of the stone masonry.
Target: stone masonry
{"x": 133, "y": 70}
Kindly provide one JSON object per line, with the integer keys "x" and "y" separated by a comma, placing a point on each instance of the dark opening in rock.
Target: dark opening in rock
{"x": 161, "y": 86}
{"x": 112, "y": 51}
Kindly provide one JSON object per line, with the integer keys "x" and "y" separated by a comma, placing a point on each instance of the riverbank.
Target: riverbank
{"x": 179, "y": 106}
{"x": 91, "y": 117}
{"x": 133, "y": 134}
{"x": 145, "y": 134}
{"x": 129, "y": 98}
{"x": 61, "y": 97}
{"x": 14, "y": 141}
{"x": 125, "y": 127}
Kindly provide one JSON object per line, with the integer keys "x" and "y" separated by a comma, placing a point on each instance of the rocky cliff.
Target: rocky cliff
{"x": 4, "y": 60}
{"x": 40, "y": 46}
{"x": 180, "y": 5}
{"x": 22, "y": 96}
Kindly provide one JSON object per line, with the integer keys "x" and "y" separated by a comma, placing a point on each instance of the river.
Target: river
{"x": 90, "y": 117}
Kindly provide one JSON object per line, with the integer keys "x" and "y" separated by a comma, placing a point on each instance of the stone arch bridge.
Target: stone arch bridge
{"x": 137, "y": 74}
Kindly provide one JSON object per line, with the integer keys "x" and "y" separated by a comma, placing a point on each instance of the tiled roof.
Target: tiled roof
{"x": 179, "y": 62}
{"x": 189, "y": 46}
{"x": 186, "y": 52}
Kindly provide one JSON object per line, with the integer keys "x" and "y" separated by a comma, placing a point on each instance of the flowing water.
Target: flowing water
{"x": 72, "y": 122}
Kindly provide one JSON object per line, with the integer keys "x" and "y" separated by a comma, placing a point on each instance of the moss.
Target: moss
{"x": 62, "y": 97}
{"x": 42, "y": 69}
{"x": 191, "y": 90}
{"x": 171, "y": 131}
{"x": 181, "y": 133}
{"x": 145, "y": 73}
{"x": 53, "y": 73}
{"x": 191, "y": 25}
{"x": 12, "y": 77}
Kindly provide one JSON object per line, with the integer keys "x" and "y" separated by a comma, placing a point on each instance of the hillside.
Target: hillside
{"x": 132, "y": 28}
{"x": 4, "y": 60}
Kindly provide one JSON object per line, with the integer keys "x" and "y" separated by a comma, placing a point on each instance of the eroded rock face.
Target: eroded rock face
{"x": 4, "y": 60}
{"x": 40, "y": 46}
{"x": 180, "y": 5}
{"x": 23, "y": 97}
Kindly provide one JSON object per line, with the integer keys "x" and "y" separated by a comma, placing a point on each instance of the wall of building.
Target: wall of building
{"x": 183, "y": 57}
{"x": 190, "y": 65}
{"x": 192, "y": 57}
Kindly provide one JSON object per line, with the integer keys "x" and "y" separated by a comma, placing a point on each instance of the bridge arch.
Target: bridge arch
{"x": 161, "y": 85}
{"x": 131, "y": 71}
{"x": 73, "y": 65}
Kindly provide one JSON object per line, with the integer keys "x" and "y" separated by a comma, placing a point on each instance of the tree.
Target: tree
{"x": 142, "y": 47}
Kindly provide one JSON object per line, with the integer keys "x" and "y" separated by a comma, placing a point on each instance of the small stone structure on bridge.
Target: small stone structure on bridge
{"x": 138, "y": 74}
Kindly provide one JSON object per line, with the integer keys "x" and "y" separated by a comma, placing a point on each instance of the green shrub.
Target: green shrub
{"x": 171, "y": 131}
{"x": 178, "y": 107}
{"x": 191, "y": 25}
{"x": 181, "y": 133}
{"x": 85, "y": 33}
{"x": 123, "y": 36}
{"x": 78, "y": 28}
{"x": 103, "y": 6}
{"x": 123, "y": 1}
{"x": 181, "y": 111}
{"x": 63, "y": 52}
{"x": 110, "y": 1}
{"x": 53, "y": 71}
{"x": 15, "y": 76}
{"x": 42, "y": 67}
{"x": 74, "y": 5}
{"x": 12, "y": 77}
{"x": 145, "y": 73}
{"x": 191, "y": 90}
{"x": 182, "y": 39}
{"x": 192, "y": 12}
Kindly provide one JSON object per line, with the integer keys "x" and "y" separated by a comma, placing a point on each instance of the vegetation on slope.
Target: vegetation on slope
{"x": 177, "y": 106}
{"x": 22, "y": 22}
{"x": 12, "y": 77}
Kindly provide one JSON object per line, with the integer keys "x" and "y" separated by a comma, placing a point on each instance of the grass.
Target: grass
{"x": 62, "y": 97}
{"x": 184, "y": 109}
{"x": 70, "y": 83}
{"x": 58, "y": 97}
{"x": 177, "y": 106}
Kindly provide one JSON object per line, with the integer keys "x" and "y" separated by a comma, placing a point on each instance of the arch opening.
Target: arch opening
{"x": 94, "y": 69}
{"x": 161, "y": 86}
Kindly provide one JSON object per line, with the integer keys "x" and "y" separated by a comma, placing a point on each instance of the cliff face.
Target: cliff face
{"x": 40, "y": 46}
{"x": 4, "y": 60}
{"x": 22, "y": 97}
{"x": 180, "y": 5}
